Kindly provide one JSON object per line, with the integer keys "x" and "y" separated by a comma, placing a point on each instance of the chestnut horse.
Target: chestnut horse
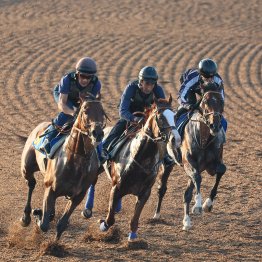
{"x": 202, "y": 150}
{"x": 135, "y": 166}
{"x": 71, "y": 171}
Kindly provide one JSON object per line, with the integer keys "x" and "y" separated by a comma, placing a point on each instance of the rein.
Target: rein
{"x": 204, "y": 119}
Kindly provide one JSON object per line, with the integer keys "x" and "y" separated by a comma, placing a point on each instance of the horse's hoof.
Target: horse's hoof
{"x": 25, "y": 220}
{"x": 132, "y": 236}
{"x": 187, "y": 227}
{"x": 42, "y": 226}
{"x": 103, "y": 226}
{"x": 187, "y": 223}
{"x": 156, "y": 216}
{"x": 38, "y": 213}
{"x": 197, "y": 210}
{"x": 208, "y": 205}
{"x": 207, "y": 208}
{"x": 87, "y": 213}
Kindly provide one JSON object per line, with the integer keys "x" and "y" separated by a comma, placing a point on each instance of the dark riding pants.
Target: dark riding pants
{"x": 115, "y": 133}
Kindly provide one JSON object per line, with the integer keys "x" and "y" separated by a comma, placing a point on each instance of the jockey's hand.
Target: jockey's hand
{"x": 138, "y": 119}
{"x": 188, "y": 106}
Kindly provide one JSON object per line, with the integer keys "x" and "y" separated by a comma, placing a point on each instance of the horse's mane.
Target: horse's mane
{"x": 211, "y": 87}
{"x": 158, "y": 103}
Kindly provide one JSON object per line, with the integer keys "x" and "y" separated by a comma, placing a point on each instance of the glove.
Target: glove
{"x": 187, "y": 106}
{"x": 138, "y": 119}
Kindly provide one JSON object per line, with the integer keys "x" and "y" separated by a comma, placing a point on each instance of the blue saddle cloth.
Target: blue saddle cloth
{"x": 184, "y": 118}
{"x": 54, "y": 144}
{"x": 182, "y": 121}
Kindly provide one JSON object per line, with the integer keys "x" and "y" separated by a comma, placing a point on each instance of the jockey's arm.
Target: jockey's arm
{"x": 62, "y": 106}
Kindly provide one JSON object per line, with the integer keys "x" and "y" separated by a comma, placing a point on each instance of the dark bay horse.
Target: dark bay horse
{"x": 135, "y": 166}
{"x": 202, "y": 150}
{"x": 71, "y": 171}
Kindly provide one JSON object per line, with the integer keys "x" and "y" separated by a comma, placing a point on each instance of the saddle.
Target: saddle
{"x": 118, "y": 142}
{"x": 55, "y": 143}
{"x": 181, "y": 122}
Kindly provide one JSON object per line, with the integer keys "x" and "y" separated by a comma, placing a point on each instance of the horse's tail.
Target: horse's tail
{"x": 21, "y": 139}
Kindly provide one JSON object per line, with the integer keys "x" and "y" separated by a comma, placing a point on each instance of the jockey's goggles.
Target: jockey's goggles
{"x": 149, "y": 80}
{"x": 85, "y": 76}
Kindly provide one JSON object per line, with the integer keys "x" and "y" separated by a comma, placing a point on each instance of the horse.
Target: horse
{"x": 202, "y": 150}
{"x": 135, "y": 166}
{"x": 72, "y": 169}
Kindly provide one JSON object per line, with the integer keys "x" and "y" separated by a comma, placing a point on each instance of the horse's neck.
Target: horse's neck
{"x": 143, "y": 139}
{"x": 199, "y": 131}
{"x": 78, "y": 143}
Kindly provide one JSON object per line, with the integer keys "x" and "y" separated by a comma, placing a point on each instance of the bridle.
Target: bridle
{"x": 87, "y": 131}
{"x": 205, "y": 113}
{"x": 163, "y": 136}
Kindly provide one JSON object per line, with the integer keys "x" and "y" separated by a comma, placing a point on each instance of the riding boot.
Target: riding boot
{"x": 51, "y": 133}
{"x": 104, "y": 156}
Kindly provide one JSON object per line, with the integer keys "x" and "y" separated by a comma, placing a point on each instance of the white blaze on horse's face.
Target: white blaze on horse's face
{"x": 170, "y": 117}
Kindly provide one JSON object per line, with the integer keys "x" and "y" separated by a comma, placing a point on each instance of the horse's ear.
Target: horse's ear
{"x": 170, "y": 99}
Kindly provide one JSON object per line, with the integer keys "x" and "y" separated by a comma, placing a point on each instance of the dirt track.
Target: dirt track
{"x": 40, "y": 41}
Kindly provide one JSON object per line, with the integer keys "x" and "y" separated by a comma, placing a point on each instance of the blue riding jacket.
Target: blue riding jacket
{"x": 70, "y": 85}
{"x": 132, "y": 93}
{"x": 191, "y": 85}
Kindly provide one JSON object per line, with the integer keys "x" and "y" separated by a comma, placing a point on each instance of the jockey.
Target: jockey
{"x": 67, "y": 94}
{"x": 137, "y": 95}
{"x": 191, "y": 81}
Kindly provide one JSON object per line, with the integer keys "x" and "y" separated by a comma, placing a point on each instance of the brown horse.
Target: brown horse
{"x": 72, "y": 169}
{"x": 202, "y": 150}
{"x": 135, "y": 166}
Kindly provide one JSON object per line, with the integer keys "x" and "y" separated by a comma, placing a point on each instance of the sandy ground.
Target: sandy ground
{"x": 41, "y": 40}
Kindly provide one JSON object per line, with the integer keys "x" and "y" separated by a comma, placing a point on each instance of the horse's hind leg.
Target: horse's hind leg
{"x": 63, "y": 221}
{"x": 28, "y": 167}
{"x": 138, "y": 209}
{"x": 162, "y": 188}
{"x": 208, "y": 204}
{"x": 26, "y": 219}
{"x": 187, "y": 199}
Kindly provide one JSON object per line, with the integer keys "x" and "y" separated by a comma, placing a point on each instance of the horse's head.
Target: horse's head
{"x": 212, "y": 106}
{"x": 91, "y": 119}
{"x": 161, "y": 118}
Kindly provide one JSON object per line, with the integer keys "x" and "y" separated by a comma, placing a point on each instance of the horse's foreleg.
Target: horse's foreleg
{"x": 141, "y": 200}
{"x": 187, "y": 199}
{"x": 87, "y": 212}
{"x": 70, "y": 207}
{"x": 208, "y": 204}
{"x": 196, "y": 178}
{"x": 26, "y": 219}
{"x": 48, "y": 209}
{"x": 113, "y": 203}
{"x": 162, "y": 189}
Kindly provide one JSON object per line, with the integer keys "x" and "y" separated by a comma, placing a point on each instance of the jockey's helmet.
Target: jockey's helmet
{"x": 207, "y": 67}
{"x": 149, "y": 74}
{"x": 86, "y": 65}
